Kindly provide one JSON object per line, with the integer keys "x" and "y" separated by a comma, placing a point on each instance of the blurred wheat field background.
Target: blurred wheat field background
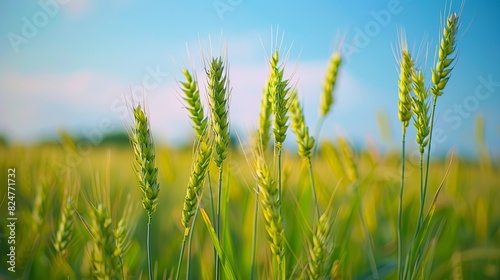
{"x": 467, "y": 213}
{"x": 223, "y": 206}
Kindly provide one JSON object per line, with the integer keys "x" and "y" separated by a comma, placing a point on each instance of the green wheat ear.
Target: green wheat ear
{"x": 193, "y": 103}
{"x": 299, "y": 127}
{"x": 420, "y": 108}
{"x": 106, "y": 262}
{"x": 278, "y": 88}
{"x": 441, "y": 74}
{"x": 144, "y": 163}
{"x": 195, "y": 184}
{"x": 404, "y": 85}
{"x": 219, "y": 104}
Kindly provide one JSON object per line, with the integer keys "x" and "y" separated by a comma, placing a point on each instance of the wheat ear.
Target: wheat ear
{"x": 264, "y": 118}
{"x": 305, "y": 141}
{"x": 271, "y": 205}
{"x": 218, "y": 93}
{"x": 105, "y": 260}
{"x": 327, "y": 99}
{"x": 321, "y": 248}
{"x": 64, "y": 231}
{"x": 193, "y": 103}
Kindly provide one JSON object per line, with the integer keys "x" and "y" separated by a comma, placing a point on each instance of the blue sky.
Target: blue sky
{"x": 69, "y": 63}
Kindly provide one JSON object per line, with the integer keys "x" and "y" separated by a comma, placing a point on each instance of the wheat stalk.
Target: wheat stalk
{"x": 406, "y": 68}
{"x": 145, "y": 169}
{"x": 218, "y": 93}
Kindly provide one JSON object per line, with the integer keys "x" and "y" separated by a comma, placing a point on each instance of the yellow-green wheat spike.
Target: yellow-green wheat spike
{"x": 420, "y": 109}
{"x": 441, "y": 74}
{"x": 195, "y": 184}
{"x": 305, "y": 141}
{"x": 320, "y": 251}
{"x": 404, "y": 85}
{"x": 278, "y": 88}
{"x": 219, "y": 104}
{"x": 144, "y": 163}
{"x": 269, "y": 199}
{"x": 327, "y": 98}
{"x": 265, "y": 118}
{"x": 105, "y": 260}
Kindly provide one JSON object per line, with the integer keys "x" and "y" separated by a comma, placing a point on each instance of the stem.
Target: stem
{"x": 212, "y": 206}
{"x": 188, "y": 264}
{"x": 313, "y": 188}
{"x": 279, "y": 147}
{"x": 218, "y": 229}
{"x": 148, "y": 241}
{"x": 319, "y": 125}
{"x": 400, "y": 209}
{"x": 424, "y": 191}
{"x": 254, "y": 237}
{"x": 179, "y": 264}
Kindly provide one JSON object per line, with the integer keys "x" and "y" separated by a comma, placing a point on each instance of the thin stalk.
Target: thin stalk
{"x": 313, "y": 188}
{"x": 254, "y": 234}
{"x": 218, "y": 229}
{"x": 148, "y": 241}
{"x": 317, "y": 132}
{"x": 400, "y": 208}
{"x": 424, "y": 190}
{"x": 181, "y": 257}
{"x": 280, "y": 150}
{"x": 212, "y": 205}
{"x": 190, "y": 241}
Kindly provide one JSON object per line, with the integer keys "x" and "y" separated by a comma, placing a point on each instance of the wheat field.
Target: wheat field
{"x": 219, "y": 208}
